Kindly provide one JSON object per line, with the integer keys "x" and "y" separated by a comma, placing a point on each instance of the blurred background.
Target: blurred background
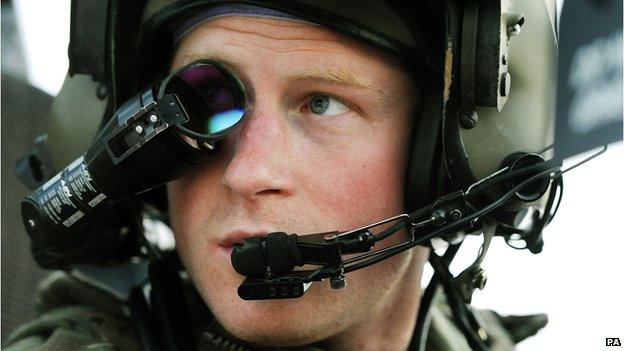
{"x": 576, "y": 280}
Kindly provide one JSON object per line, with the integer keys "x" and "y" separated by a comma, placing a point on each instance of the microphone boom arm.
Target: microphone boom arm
{"x": 447, "y": 215}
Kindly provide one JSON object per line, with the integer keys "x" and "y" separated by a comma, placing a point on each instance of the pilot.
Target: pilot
{"x": 333, "y": 115}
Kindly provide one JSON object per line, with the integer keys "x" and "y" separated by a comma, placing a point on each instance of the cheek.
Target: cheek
{"x": 181, "y": 213}
{"x": 361, "y": 184}
{"x": 199, "y": 190}
{"x": 182, "y": 200}
{"x": 177, "y": 192}
{"x": 188, "y": 205}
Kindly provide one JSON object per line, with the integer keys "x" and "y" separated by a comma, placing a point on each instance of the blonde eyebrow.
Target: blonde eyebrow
{"x": 330, "y": 75}
{"x": 340, "y": 77}
{"x": 196, "y": 56}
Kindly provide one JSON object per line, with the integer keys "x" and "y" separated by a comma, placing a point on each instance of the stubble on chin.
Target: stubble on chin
{"x": 322, "y": 314}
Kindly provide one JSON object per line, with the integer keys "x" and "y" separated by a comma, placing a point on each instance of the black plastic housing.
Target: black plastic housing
{"x": 137, "y": 150}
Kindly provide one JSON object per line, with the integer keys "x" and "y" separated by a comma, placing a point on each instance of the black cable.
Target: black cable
{"x": 464, "y": 318}
{"x": 499, "y": 202}
{"x": 451, "y": 228}
{"x": 376, "y": 257}
{"x": 387, "y": 232}
{"x": 423, "y": 320}
{"x": 533, "y": 236}
{"x": 505, "y": 229}
{"x": 447, "y": 229}
{"x": 559, "y": 198}
{"x": 510, "y": 175}
{"x": 548, "y": 214}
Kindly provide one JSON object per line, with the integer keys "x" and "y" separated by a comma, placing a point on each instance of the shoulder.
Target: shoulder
{"x": 74, "y": 315}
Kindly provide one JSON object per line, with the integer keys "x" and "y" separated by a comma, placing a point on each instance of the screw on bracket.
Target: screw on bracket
{"x": 455, "y": 215}
{"x": 468, "y": 120}
{"x": 101, "y": 92}
{"x": 513, "y": 30}
{"x": 338, "y": 282}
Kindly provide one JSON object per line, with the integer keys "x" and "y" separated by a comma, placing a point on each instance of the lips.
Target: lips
{"x": 238, "y": 237}
{"x": 227, "y": 242}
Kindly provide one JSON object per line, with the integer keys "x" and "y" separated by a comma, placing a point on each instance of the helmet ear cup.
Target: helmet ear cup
{"x": 466, "y": 152}
{"x": 484, "y": 121}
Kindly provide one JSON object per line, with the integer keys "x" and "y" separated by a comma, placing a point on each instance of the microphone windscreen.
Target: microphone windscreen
{"x": 250, "y": 258}
{"x": 283, "y": 252}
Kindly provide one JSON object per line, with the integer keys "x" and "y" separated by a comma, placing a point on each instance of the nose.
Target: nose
{"x": 261, "y": 154}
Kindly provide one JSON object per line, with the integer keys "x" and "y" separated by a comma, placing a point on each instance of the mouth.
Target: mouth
{"x": 238, "y": 237}
{"x": 233, "y": 238}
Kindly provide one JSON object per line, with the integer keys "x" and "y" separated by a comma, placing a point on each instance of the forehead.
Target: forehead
{"x": 276, "y": 35}
{"x": 295, "y": 48}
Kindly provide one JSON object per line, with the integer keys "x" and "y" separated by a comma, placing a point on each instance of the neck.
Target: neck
{"x": 390, "y": 325}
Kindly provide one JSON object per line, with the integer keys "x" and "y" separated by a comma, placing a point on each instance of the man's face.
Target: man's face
{"x": 323, "y": 147}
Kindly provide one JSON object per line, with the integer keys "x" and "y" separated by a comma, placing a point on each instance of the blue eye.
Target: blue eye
{"x": 326, "y": 106}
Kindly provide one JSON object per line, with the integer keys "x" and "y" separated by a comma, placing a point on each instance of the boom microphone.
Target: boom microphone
{"x": 280, "y": 253}
{"x": 277, "y": 254}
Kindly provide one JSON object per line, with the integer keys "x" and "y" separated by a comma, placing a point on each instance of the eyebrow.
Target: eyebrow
{"x": 340, "y": 77}
{"x": 332, "y": 75}
{"x": 212, "y": 56}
